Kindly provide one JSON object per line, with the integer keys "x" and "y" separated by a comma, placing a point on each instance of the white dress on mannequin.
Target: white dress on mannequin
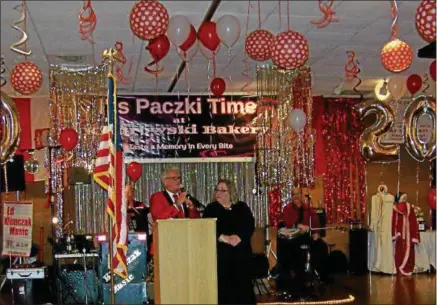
{"x": 381, "y": 225}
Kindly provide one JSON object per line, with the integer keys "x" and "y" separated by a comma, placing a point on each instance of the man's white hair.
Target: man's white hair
{"x": 168, "y": 170}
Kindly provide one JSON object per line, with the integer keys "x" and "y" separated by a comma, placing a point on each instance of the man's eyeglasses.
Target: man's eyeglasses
{"x": 221, "y": 191}
{"x": 174, "y": 178}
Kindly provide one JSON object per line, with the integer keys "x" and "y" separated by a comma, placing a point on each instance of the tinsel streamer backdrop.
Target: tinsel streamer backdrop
{"x": 77, "y": 99}
{"x": 199, "y": 180}
{"x": 344, "y": 180}
{"x": 284, "y": 157}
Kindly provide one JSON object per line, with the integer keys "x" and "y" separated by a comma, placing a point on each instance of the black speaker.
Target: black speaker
{"x": 15, "y": 175}
{"x": 76, "y": 287}
{"x": 358, "y": 251}
{"x": 322, "y": 219}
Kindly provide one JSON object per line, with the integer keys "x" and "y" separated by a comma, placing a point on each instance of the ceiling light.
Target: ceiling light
{"x": 381, "y": 91}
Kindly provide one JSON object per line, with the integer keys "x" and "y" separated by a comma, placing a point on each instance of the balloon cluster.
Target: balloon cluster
{"x": 398, "y": 85}
{"x": 149, "y": 20}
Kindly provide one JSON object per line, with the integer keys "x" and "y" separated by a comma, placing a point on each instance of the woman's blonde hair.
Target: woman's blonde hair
{"x": 231, "y": 189}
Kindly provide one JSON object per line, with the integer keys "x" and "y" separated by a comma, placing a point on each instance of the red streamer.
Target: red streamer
{"x": 344, "y": 181}
{"x": 352, "y": 71}
{"x": 328, "y": 13}
{"x": 87, "y": 21}
{"x": 274, "y": 197}
{"x": 119, "y": 65}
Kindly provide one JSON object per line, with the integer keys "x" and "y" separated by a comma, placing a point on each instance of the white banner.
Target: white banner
{"x": 17, "y": 228}
{"x": 396, "y": 134}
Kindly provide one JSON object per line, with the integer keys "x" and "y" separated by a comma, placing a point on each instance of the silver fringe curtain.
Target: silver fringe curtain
{"x": 199, "y": 180}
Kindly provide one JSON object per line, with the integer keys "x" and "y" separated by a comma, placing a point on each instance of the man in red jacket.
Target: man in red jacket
{"x": 292, "y": 256}
{"x": 172, "y": 202}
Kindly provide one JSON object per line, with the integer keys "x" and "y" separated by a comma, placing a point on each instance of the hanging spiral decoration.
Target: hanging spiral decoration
{"x": 2, "y": 71}
{"x": 14, "y": 47}
{"x": 87, "y": 21}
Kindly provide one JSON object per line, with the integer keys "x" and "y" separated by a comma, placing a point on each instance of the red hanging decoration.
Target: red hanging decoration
{"x": 290, "y": 50}
{"x": 425, "y": 20}
{"x": 158, "y": 49}
{"x": 258, "y": 44}
{"x": 396, "y": 55}
{"x": 432, "y": 198}
{"x": 26, "y": 78}
{"x": 328, "y": 13}
{"x": 87, "y": 21}
{"x": 148, "y": 19}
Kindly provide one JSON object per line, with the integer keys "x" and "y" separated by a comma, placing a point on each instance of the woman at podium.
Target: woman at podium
{"x": 235, "y": 226}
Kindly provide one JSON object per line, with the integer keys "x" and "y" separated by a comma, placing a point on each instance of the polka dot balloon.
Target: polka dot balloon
{"x": 425, "y": 20}
{"x": 26, "y": 78}
{"x": 290, "y": 50}
{"x": 148, "y": 19}
{"x": 396, "y": 55}
{"x": 258, "y": 45}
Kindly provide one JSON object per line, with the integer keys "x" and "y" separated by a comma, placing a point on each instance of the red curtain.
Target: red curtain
{"x": 338, "y": 132}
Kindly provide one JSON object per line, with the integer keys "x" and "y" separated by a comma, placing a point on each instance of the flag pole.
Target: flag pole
{"x": 111, "y": 55}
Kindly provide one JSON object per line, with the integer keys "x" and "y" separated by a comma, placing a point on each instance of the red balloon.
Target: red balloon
{"x": 188, "y": 43}
{"x": 431, "y": 198}
{"x": 414, "y": 83}
{"x": 208, "y": 35}
{"x": 158, "y": 47}
{"x": 432, "y": 70}
{"x": 134, "y": 171}
{"x": 68, "y": 138}
{"x": 218, "y": 86}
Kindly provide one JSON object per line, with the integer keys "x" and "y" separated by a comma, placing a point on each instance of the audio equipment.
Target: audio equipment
{"x": 15, "y": 175}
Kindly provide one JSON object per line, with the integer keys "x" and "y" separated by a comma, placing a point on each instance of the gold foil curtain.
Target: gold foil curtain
{"x": 199, "y": 180}
{"x": 77, "y": 99}
{"x": 285, "y": 158}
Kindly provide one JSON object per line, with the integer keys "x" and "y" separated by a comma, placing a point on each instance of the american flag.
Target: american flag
{"x": 109, "y": 173}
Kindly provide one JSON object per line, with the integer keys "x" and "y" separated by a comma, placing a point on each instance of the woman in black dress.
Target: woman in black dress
{"x": 235, "y": 226}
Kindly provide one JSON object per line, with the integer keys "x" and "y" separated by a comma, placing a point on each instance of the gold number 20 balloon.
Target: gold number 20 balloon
{"x": 370, "y": 141}
{"x": 11, "y": 128}
{"x": 417, "y": 148}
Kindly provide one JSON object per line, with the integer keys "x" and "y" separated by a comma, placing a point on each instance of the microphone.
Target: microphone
{"x": 194, "y": 200}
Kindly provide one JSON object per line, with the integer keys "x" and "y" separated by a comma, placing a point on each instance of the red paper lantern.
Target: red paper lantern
{"x": 26, "y": 78}
{"x": 134, "y": 171}
{"x": 68, "y": 139}
{"x": 148, "y": 19}
{"x": 396, "y": 55}
{"x": 425, "y": 20}
{"x": 258, "y": 43}
{"x": 290, "y": 50}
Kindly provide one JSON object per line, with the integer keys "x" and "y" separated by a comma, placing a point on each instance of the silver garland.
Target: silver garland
{"x": 199, "y": 180}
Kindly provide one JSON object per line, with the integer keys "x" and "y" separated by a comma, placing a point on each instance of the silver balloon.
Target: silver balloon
{"x": 416, "y": 147}
{"x": 370, "y": 141}
{"x": 11, "y": 128}
{"x": 31, "y": 166}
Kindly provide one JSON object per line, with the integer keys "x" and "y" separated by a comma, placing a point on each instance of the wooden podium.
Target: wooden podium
{"x": 185, "y": 261}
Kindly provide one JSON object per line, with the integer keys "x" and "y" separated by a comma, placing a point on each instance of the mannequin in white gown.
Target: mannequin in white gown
{"x": 381, "y": 225}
